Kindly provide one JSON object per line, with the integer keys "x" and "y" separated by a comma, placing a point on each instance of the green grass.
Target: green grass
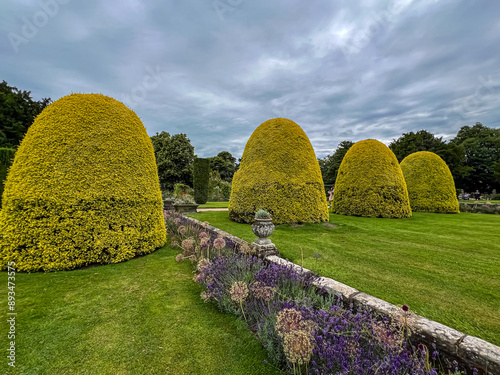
{"x": 144, "y": 316}
{"x": 214, "y": 205}
{"x": 445, "y": 267}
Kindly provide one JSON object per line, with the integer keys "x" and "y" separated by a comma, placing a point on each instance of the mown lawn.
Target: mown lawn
{"x": 445, "y": 267}
{"x": 144, "y": 316}
{"x": 214, "y": 205}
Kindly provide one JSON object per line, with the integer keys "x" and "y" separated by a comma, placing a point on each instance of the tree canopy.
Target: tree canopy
{"x": 481, "y": 147}
{"x": 225, "y": 164}
{"x": 174, "y": 159}
{"x": 17, "y": 112}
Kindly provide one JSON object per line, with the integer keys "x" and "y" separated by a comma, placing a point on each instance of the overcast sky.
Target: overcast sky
{"x": 215, "y": 70}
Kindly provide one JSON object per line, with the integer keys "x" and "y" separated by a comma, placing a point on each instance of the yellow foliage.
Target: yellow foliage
{"x": 430, "y": 183}
{"x": 279, "y": 172}
{"x": 83, "y": 189}
{"x": 370, "y": 183}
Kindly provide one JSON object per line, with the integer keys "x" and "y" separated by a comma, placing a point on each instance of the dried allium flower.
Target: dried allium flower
{"x": 182, "y": 230}
{"x": 188, "y": 245}
{"x": 288, "y": 321}
{"x": 204, "y": 242}
{"x": 174, "y": 244}
{"x": 219, "y": 243}
{"x": 205, "y": 296}
{"x": 239, "y": 291}
{"x": 205, "y": 224}
{"x": 202, "y": 235}
{"x": 177, "y": 221}
{"x": 197, "y": 278}
{"x": 179, "y": 258}
{"x": 261, "y": 291}
{"x": 298, "y": 347}
{"x": 203, "y": 264}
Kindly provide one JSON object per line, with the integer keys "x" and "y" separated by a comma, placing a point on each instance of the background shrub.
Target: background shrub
{"x": 279, "y": 172}
{"x": 218, "y": 189}
{"x": 370, "y": 183}
{"x": 201, "y": 176}
{"x": 83, "y": 188}
{"x": 6, "y": 157}
{"x": 430, "y": 184}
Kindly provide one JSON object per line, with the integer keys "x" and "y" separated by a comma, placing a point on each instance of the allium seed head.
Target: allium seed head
{"x": 219, "y": 243}
{"x": 182, "y": 230}
{"x": 179, "y": 258}
{"x": 298, "y": 347}
{"x": 239, "y": 291}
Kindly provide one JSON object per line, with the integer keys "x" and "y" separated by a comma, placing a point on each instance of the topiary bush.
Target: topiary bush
{"x": 370, "y": 183}
{"x": 279, "y": 172}
{"x": 201, "y": 176}
{"x": 430, "y": 184}
{"x": 6, "y": 157}
{"x": 83, "y": 189}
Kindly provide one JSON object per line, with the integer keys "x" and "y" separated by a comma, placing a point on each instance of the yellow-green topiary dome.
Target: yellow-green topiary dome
{"x": 430, "y": 183}
{"x": 370, "y": 183}
{"x": 83, "y": 189}
{"x": 279, "y": 172}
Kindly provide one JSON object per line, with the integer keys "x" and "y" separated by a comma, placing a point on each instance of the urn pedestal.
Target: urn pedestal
{"x": 263, "y": 228}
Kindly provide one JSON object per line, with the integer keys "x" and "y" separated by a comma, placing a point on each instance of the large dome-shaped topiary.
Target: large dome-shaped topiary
{"x": 430, "y": 184}
{"x": 370, "y": 183}
{"x": 83, "y": 189}
{"x": 279, "y": 172}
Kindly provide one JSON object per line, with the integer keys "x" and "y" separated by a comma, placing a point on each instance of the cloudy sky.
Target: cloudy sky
{"x": 216, "y": 69}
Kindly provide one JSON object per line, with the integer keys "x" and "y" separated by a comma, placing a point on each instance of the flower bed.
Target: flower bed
{"x": 305, "y": 329}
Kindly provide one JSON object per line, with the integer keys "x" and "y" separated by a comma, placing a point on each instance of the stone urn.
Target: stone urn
{"x": 263, "y": 228}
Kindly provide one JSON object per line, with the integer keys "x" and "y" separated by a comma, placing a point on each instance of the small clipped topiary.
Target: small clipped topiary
{"x": 201, "y": 177}
{"x": 279, "y": 173}
{"x": 430, "y": 184}
{"x": 370, "y": 183}
{"x": 83, "y": 189}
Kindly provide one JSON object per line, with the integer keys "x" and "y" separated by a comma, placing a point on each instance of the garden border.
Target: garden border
{"x": 471, "y": 352}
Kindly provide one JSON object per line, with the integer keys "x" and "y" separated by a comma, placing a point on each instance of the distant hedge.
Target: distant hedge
{"x": 279, "y": 172}
{"x": 370, "y": 183}
{"x": 430, "y": 184}
{"x": 83, "y": 189}
{"x": 201, "y": 177}
{"x": 6, "y": 157}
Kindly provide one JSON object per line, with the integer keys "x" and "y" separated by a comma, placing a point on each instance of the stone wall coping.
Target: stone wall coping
{"x": 469, "y": 350}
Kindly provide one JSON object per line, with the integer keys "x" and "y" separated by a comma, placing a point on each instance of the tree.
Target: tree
{"x": 82, "y": 189}
{"x": 279, "y": 173}
{"x": 411, "y": 142}
{"x": 225, "y": 164}
{"x": 481, "y": 146}
{"x": 174, "y": 159}
{"x": 17, "y": 112}
{"x": 330, "y": 164}
{"x": 370, "y": 183}
{"x": 201, "y": 177}
{"x": 430, "y": 183}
